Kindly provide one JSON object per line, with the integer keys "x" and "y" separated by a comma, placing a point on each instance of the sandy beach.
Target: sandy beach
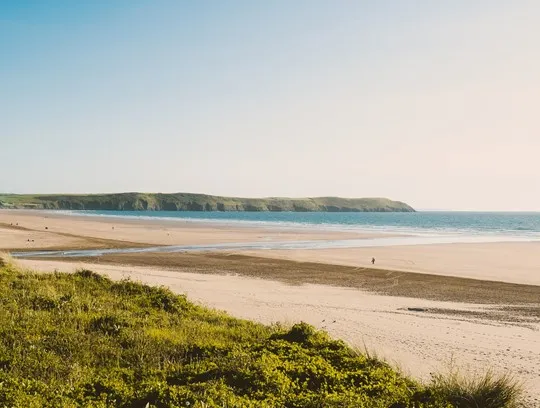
{"x": 422, "y": 307}
{"x": 516, "y": 262}
{"x": 58, "y": 230}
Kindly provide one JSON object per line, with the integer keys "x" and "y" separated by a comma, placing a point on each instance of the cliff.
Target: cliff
{"x": 197, "y": 202}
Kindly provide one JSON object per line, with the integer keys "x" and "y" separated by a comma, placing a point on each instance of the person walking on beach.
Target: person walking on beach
{"x": 372, "y": 261}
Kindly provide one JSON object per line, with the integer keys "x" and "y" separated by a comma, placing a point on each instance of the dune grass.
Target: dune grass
{"x": 84, "y": 340}
{"x": 488, "y": 390}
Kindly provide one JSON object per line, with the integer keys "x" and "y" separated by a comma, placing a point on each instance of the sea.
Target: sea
{"x": 504, "y": 224}
{"x": 414, "y": 228}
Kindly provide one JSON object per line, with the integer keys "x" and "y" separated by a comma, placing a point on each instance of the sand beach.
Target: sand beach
{"x": 420, "y": 307}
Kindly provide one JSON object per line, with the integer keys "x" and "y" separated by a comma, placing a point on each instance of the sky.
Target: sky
{"x": 435, "y": 103}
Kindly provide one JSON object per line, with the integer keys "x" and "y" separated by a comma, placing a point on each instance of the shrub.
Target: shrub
{"x": 300, "y": 333}
{"x": 164, "y": 299}
{"x": 43, "y": 303}
{"x": 88, "y": 274}
{"x": 108, "y": 324}
{"x": 486, "y": 391}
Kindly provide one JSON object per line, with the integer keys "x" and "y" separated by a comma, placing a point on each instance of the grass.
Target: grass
{"x": 488, "y": 390}
{"x": 84, "y": 340}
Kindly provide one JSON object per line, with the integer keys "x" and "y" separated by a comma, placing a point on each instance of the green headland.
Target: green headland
{"x": 197, "y": 202}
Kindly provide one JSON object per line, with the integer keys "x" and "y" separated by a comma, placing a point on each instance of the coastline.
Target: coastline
{"x": 414, "y": 307}
{"x": 287, "y": 220}
{"x": 51, "y": 230}
{"x": 506, "y": 261}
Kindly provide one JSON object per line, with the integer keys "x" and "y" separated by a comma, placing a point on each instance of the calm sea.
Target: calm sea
{"x": 418, "y": 223}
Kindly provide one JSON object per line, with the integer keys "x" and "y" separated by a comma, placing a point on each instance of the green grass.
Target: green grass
{"x": 488, "y": 390}
{"x": 84, "y": 340}
{"x": 195, "y": 202}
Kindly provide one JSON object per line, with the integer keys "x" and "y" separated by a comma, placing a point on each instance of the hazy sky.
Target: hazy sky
{"x": 436, "y": 103}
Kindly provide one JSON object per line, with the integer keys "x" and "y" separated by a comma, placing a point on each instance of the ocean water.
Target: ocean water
{"x": 428, "y": 223}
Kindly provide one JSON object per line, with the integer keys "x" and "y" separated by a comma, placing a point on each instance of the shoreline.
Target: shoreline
{"x": 449, "y": 235}
{"x": 420, "y": 319}
{"x": 515, "y": 262}
{"x": 52, "y": 230}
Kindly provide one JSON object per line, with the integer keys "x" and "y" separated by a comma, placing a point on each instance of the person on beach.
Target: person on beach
{"x": 372, "y": 261}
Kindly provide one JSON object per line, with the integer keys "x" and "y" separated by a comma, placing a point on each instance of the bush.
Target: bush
{"x": 164, "y": 299}
{"x": 43, "y": 303}
{"x": 487, "y": 391}
{"x": 300, "y": 333}
{"x": 88, "y": 274}
{"x": 108, "y": 324}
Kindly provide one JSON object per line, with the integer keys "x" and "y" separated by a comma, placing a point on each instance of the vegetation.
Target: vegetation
{"x": 488, "y": 390}
{"x": 84, "y": 340}
{"x": 197, "y": 202}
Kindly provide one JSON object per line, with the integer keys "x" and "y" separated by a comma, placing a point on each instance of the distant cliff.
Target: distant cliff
{"x": 198, "y": 202}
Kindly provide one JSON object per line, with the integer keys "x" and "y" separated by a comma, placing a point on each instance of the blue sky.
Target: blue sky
{"x": 433, "y": 103}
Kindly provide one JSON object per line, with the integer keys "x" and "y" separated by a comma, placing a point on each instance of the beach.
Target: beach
{"x": 421, "y": 307}
{"x": 59, "y": 230}
{"x": 516, "y": 262}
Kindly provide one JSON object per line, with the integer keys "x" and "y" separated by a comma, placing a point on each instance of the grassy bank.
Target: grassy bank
{"x": 84, "y": 340}
{"x": 196, "y": 202}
